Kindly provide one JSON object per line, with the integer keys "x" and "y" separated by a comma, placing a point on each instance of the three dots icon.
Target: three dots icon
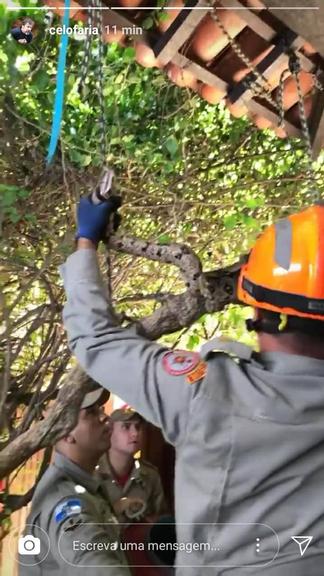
{"x": 257, "y": 544}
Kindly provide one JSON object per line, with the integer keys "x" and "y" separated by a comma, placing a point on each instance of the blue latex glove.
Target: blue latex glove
{"x": 93, "y": 218}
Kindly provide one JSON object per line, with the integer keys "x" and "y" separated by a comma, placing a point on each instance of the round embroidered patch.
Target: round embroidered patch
{"x": 69, "y": 507}
{"x": 177, "y": 362}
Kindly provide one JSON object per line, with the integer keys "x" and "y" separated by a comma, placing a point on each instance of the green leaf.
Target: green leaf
{"x": 41, "y": 80}
{"x": 8, "y": 195}
{"x": 193, "y": 341}
{"x": 163, "y": 16}
{"x": 148, "y": 23}
{"x": 14, "y": 216}
{"x": 120, "y": 78}
{"x": 32, "y": 218}
{"x": 250, "y": 221}
{"x": 23, "y": 193}
{"x": 164, "y": 239}
{"x": 253, "y": 202}
{"x": 230, "y": 221}
{"x": 81, "y": 159}
{"x": 129, "y": 52}
{"x": 171, "y": 145}
{"x": 3, "y": 57}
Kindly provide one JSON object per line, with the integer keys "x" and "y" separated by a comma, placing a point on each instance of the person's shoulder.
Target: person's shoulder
{"x": 149, "y": 467}
{"x": 104, "y": 470}
{"x": 55, "y": 484}
{"x": 49, "y": 480}
{"x": 68, "y": 499}
{"x": 225, "y": 348}
{"x": 51, "y": 489}
{"x": 15, "y": 31}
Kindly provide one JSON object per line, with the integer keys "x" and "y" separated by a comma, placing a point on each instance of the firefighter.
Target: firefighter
{"x": 71, "y": 524}
{"x": 247, "y": 426}
{"x": 134, "y": 485}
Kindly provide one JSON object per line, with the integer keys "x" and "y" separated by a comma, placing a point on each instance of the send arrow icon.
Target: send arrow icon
{"x": 303, "y": 543}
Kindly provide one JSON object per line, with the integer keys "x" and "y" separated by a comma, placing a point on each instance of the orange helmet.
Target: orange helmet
{"x": 285, "y": 269}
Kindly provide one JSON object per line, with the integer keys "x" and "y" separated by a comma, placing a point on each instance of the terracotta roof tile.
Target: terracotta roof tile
{"x": 209, "y": 64}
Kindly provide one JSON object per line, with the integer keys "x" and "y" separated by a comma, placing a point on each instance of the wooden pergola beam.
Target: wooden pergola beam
{"x": 180, "y": 30}
{"x": 302, "y": 26}
{"x": 252, "y": 19}
{"x": 201, "y": 73}
{"x": 307, "y": 18}
{"x": 115, "y": 18}
{"x": 260, "y": 109}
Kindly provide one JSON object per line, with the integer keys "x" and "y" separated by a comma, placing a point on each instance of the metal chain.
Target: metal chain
{"x": 87, "y": 52}
{"x": 100, "y": 83}
{"x": 287, "y": 72}
{"x": 280, "y": 97}
{"x": 258, "y": 84}
{"x": 102, "y": 132}
{"x": 95, "y": 20}
{"x": 317, "y": 83}
{"x": 264, "y": 90}
{"x": 295, "y": 69}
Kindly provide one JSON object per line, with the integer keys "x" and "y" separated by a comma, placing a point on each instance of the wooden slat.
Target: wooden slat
{"x": 200, "y": 72}
{"x": 167, "y": 46}
{"x": 264, "y": 30}
{"x": 115, "y": 18}
{"x": 252, "y": 19}
{"x": 256, "y": 107}
{"x": 180, "y": 30}
{"x": 308, "y": 23}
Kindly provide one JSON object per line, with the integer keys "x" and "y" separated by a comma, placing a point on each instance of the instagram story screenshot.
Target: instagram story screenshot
{"x": 162, "y": 287}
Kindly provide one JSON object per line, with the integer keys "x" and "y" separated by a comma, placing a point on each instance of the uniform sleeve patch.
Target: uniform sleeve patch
{"x": 197, "y": 373}
{"x": 67, "y": 508}
{"x": 178, "y": 362}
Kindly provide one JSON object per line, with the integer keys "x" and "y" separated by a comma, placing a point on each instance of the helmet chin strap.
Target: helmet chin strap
{"x": 253, "y": 325}
{"x": 267, "y": 325}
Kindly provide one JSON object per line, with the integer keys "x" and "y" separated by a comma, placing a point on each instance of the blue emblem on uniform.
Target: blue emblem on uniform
{"x": 67, "y": 508}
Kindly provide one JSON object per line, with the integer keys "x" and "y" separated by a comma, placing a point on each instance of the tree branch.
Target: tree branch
{"x": 61, "y": 418}
{"x": 16, "y": 501}
{"x": 205, "y": 292}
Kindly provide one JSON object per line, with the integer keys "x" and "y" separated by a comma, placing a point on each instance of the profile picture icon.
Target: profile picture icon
{"x": 22, "y": 33}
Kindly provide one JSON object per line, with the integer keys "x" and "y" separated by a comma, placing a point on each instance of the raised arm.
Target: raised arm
{"x": 144, "y": 374}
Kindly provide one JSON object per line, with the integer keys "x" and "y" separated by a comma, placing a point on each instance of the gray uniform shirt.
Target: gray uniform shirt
{"x": 249, "y": 438}
{"x": 143, "y": 484}
{"x": 75, "y": 525}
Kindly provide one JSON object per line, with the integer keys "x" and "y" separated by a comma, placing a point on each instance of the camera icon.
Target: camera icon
{"x": 28, "y": 545}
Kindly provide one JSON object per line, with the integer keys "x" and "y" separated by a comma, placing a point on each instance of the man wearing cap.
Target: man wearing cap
{"x": 134, "y": 486}
{"x": 247, "y": 426}
{"x": 71, "y": 523}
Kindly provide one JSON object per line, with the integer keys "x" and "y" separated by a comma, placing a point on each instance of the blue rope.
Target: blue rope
{"x": 59, "y": 95}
